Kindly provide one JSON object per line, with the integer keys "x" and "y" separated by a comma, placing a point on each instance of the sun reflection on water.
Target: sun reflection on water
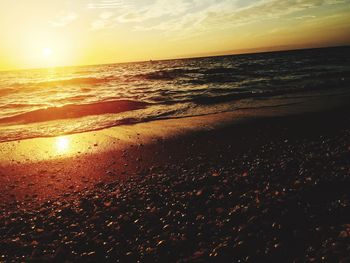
{"x": 62, "y": 144}
{"x": 50, "y": 148}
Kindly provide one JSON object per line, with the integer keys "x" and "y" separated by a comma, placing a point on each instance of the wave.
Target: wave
{"x": 178, "y": 73}
{"x": 218, "y": 70}
{"x": 77, "y": 81}
{"x": 20, "y": 105}
{"x": 63, "y": 82}
{"x": 193, "y": 76}
{"x": 206, "y": 99}
{"x": 74, "y": 111}
{"x": 161, "y": 75}
{"x": 6, "y": 91}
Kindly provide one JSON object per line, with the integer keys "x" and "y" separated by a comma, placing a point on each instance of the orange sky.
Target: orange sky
{"x": 41, "y": 33}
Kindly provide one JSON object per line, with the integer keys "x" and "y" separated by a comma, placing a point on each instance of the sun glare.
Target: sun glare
{"x": 47, "y": 52}
{"x": 62, "y": 144}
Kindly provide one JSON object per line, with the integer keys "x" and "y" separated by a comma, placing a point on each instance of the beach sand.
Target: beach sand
{"x": 267, "y": 185}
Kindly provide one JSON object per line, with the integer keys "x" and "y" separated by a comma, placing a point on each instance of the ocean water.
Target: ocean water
{"x": 55, "y": 101}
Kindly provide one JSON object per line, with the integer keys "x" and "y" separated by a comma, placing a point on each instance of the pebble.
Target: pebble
{"x": 266, "y": 205}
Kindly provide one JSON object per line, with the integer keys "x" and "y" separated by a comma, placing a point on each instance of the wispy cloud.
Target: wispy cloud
{"x": 304, "y": 17}
{"x": 132, "y": 12}
{"x": 193, "y": 17}
{"x": 103, "y": 21}
{"x": 227, "y": 14}
{"x": 106, "y": 4}
{"x": 64, "y": 19}
{"x": 159, "y": 8}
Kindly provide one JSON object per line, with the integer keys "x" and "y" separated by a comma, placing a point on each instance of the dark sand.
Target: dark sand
{"x": 257, "y": 189}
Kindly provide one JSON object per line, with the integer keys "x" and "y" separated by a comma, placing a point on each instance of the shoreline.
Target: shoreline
{"x": 319, "y": 100}
{"x": 263, "y": 189}
{"x": 33, "y": 171}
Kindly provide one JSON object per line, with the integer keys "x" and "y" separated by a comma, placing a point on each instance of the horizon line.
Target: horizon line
{"x": 237, "y": 52}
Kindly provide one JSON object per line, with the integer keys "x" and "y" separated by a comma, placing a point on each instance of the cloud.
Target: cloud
{"x": 159, "y": 8}
{"x": 64, "y": 19}
{"x": 104, "y": 21}
{"x": 107, "y": 4}
{"x": 135, "y": 11}
{"x": 231, "y": 13}
{"x": 304, "y": 17}
{"x": 195, "y": 17}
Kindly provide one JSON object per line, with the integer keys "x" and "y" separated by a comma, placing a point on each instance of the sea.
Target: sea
{"x": 65, "y": 100}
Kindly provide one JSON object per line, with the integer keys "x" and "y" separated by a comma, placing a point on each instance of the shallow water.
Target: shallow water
{"x": 50, "y": 102}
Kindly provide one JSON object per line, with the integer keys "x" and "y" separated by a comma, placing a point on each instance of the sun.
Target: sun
{"x": 47, "y": 52}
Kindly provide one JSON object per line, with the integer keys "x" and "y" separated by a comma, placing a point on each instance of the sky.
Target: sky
{"x": 45, "y": 33}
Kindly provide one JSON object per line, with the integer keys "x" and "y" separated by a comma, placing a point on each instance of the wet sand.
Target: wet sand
{"x": 265, "y": 186}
